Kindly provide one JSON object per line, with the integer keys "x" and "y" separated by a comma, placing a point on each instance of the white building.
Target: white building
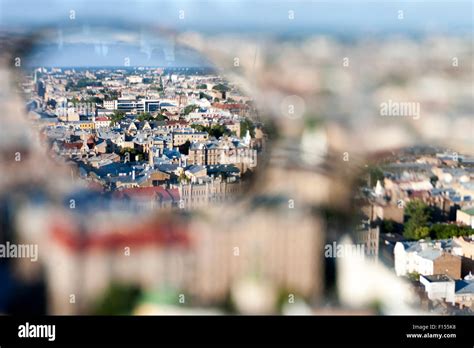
{"x": 110, "y": 104}
{"x": 439, "y": 287}
{"x": 427, "y": 258}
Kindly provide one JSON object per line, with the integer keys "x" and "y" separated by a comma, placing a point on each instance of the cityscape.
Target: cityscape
{"x": 417, "y": 207}
{"x": 214, "y": 167}
{"x": 157, "y": 138}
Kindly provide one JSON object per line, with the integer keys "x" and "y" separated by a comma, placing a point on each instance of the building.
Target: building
{"x": 179, "y": 138}
{"x": 110, "y": 104}
{"x": 426, "y": 259}
{"x": 200, "y": 194}
{"x": 369, "y": 237}
{"x": 465, "y": 250}
{"x": 223, "y": 151}
{"x": 439, "y": 287}
{"x": 465, "y": 216}
{"x": 443, "y": 287}
{"x": 464, "y": 292}
{"x": 203, "y": 261}
{"x": 102, "y": 122}
{"x": 137, "y": 106}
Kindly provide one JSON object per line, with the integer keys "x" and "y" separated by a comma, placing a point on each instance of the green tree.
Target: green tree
{"x": 221, "y": 88}
{"x": 118, "y": 299}
{"x": 445, "y": 231}
{"x": 205, "y": 95}
{"x": 421, "y": 232}
{"x": 218, "y": 131}
{"x": 190, "y": 108}
{"x": 245, "y": 125}
{"x": 417, "y": 214}
{"x": 391, "y": 226}
{"x": 116, "y": 117}
{"x": 145, "y": 116}
{"x": 414, "y": 276}
{"x": 375, "y": 174}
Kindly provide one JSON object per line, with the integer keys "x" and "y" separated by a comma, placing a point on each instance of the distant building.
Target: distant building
{"x": 369, "y": 237}
{"x": 439, "y": 287}
{"x": 466, "y": 251}
{"x": 200, "y": 194}
{"x": 465, "y": 216}
{"x": 426, "y": 259}
{"x": 202, "y": 261}
{"x": 443, "y": 287}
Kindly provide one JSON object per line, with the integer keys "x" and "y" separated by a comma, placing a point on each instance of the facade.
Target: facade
{"x": 425, "y": 259}
{"x": 465, "y": 216}
{"x": 369, "y": 237}
{"x": 223, "y": 151}
{"x": 197, "y": 195}
{"x": 201, "y": 261}
{"x": 439, "y": 287}
{"x": 110, "y": 104}
{"x": 179, "y": 138}
{"x": 456, "y": 292}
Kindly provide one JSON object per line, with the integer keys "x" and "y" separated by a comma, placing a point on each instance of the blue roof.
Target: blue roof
{"x": 464, "y": 287}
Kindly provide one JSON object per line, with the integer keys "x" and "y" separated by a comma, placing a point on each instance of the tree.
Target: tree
{"x": 245, "y": 125}
{"x": 375, "y": 174}
{"x": 418, "y": 216}
{"x": 204, "y": 95}
{"x": 118, "y": 299}
{"x": 145, "y": 116}
{"x": 190, "y": 108}
{"x": 433, "y": 180}
{"x": 221, "y": 88}
{"x": 414, "y": 276}
{"x": 421, "y": 232}
{"x": 218, "y": 131}
{"x": 117, "y": 117}
{"x": 445, "y": 231}
{"x": 200, "y": 128}
{"x": 214, "y": 131}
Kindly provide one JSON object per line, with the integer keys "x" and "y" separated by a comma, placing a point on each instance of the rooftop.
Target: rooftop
{"x": 438, "y": 278}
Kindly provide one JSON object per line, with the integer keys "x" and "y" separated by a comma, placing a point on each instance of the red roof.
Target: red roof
{"x": 158, "y": 234}
{"x": 229, "y": 106}
{"x": 70, "y": 146}
{"x": 180, "y": 122}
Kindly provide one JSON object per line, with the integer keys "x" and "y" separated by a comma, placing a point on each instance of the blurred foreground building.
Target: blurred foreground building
{"x": 201, "y": 261}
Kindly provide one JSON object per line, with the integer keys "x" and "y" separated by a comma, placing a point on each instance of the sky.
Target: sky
{"x": 341, "y": 18}
{"x": 242, "y": 15}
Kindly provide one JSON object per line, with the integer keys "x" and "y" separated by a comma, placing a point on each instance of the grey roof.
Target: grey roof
{"x": 446, "y": 244}
{"x": 430, "y": 253}
{"x": 438, "y": 278}
{"x": 165, "y": 167}
{"x": 195, "y": 168}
